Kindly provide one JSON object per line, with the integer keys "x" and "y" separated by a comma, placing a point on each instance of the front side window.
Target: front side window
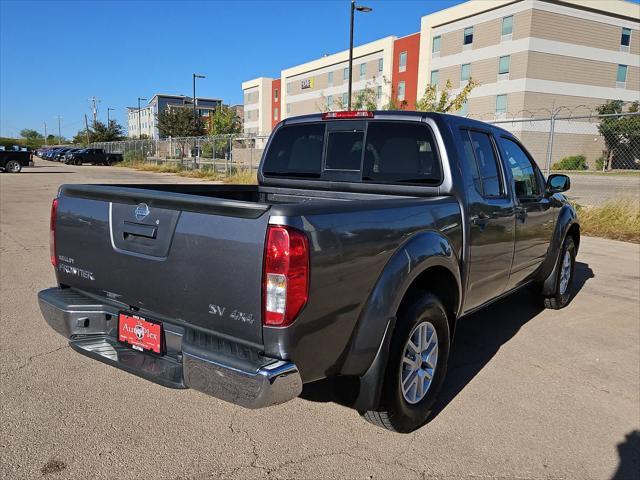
{"x": 400, "y": 152}
{"x": 622, "y": 74}
{"x": 363, "y": 70}
{"x": 296, "y": 151}
{"x": 434, "y": 78}
{"x": 507, "y": 25}
{"x": 501, "y": 104}
{"x": 504, "y": 64}
{"x": 487, "y": 163}
{"x": 524, "y": 174}
{"x": 403, "y": 62}
{"x": 435, "y": 47}
{"x": 468, "y": 36}
{"x": 625, "y": 39}
{"x": 401, "y": 90}
{"x": 344, "y": 150}
{"x": 465, "y": 72}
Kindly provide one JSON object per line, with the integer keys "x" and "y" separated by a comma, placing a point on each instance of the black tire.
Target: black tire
{"x": 395, "y": 413}
{"x": 13, "y": 166}
{"x": 78, "y": 162}
{"x": 561, "y": 298}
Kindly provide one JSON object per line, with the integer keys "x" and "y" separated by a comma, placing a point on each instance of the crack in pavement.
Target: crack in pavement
{"x": 33, "y": 357}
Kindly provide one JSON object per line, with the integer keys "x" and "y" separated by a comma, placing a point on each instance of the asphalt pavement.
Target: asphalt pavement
{"x": 531, "y": 393}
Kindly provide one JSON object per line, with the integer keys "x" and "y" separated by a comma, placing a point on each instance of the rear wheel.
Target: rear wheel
{"x": 416, "y": 367}
{"x": 564, "y": 277}
{"x": 13, "y": 166}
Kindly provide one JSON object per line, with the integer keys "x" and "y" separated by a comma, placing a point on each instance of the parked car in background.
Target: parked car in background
{"x": 96, "y": 156}
{"x": 369, "y": 235}
{"x": 68, "y": 153}
{"x": 59, "y": 155}
{"x": 12, "y": 160}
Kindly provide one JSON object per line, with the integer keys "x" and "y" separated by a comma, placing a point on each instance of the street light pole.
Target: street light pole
{"x": 139, "y": 123}
{"x": 108, "y": 110}
{"x": 363, "y": 9}
{"x": 59, "y": 130}
{"x": 195, "y": 75}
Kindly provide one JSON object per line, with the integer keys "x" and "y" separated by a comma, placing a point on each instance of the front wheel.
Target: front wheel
{"x": 416, "y": 367}
{"x": 13, "y": 166}
{"x": 561, "y": 296}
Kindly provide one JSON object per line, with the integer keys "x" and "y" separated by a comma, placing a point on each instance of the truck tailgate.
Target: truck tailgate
{"x": 191, "y": 259}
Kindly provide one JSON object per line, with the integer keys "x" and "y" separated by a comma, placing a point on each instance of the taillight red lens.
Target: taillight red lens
{"x": 285, "y": 283}
{"x": 52, "y": 232}
{"x": 348, "y": 114}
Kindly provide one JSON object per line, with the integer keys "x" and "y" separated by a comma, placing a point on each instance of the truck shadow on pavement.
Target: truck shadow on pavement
{"x": 478, "y": 338}
{"x": 480, "y": 335}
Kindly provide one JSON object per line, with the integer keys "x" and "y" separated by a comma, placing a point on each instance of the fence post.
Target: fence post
{"x": 550, "y": 144}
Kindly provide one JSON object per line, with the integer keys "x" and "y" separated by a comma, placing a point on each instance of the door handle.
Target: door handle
{"x": 481, "y": 219}
{"x": 521, "y": 214}
{"x": 139, "y": 230}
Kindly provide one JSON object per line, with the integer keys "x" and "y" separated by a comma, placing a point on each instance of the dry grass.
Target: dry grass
{"x": 616, "y": 219}
{"x": 239, "y": 176}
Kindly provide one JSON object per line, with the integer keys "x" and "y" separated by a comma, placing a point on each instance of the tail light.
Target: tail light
{"x": 347, "y": 114}
{"x": 52, "y": 233}
{"x": 285, "y": 283}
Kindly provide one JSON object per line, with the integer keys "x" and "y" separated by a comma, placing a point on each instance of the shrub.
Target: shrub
{"x": 132, "y": 157}
{"x": 600, "y": 163}
{"x": 574, "y": 162}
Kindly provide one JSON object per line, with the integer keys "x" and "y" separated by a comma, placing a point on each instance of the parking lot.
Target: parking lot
{"x": 531, "y": 393}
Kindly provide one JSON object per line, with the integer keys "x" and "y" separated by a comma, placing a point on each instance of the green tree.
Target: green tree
{"x": 224, "y": 121}
{"x": 180, "y": 122}
{"x": 80, "y": 138}
{"x": 29, "y": 134}
{"x": 445, "y": 102}
{"x": 107, "y": 133}
{"x": 621, "y": 135}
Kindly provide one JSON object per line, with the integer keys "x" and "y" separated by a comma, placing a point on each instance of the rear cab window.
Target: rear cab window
{"x": 374, "y": 151}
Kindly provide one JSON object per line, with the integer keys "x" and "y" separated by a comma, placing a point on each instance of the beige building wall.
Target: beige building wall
{"x": 306, "y": 88}
{"x": 257, "y": 106}
{"x": 559, "y": 51}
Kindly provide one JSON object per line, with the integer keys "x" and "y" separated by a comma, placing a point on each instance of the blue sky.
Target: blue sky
{"x": 54, "y": 55}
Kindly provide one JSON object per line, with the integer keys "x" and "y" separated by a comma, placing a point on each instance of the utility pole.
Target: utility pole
{"x": 45, "y": 133}
{"x": 86, "y": 127}
{"x": 59, "y": 130}
{"x": 94, "y": 109}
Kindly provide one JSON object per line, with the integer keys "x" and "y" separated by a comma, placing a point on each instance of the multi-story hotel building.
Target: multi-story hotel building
{"x": 531, "y": 58}
{"x": 144, "y": 121}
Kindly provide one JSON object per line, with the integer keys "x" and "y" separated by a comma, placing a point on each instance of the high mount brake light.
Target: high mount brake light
{"x": 285, "y": 282}
{"x": 52, "y": 232}
{"x": 349, "y": 114}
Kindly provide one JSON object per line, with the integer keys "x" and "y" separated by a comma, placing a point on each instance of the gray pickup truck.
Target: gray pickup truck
{"x": 368, "y": 236}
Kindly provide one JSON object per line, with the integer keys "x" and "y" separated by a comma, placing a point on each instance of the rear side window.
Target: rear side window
{"x": 487, "y": 164}
{"x": 296, "y": 151}
{"x": 400, "y": 152}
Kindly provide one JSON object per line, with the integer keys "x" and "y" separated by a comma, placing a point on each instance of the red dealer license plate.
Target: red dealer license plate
{"x": 141, "y": 334}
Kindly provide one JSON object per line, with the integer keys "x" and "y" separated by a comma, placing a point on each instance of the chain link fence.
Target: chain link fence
{"x": 221, "y": 154}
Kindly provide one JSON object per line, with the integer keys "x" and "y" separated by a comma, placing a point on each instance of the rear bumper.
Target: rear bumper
{"x": 194, "y": 359}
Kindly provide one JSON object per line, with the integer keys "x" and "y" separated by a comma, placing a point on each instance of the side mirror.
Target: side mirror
{"x": 557, "y": 183}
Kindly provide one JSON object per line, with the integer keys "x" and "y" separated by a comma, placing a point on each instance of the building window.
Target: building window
{"x": 380, "y": 64}
{"x": 401, "y": 91}
{"x": 435, "y": 46}
{"x": 501, "y": 104}
{"x": 330, "y": 78}
{"x": 504, "y": 64}
{"x": 507, "y": 25}
{"x": 463, "y": 109}
{"x": 345, "y": 99}
{"x": 625, "y": 39}
{"x": 465, "y": 72}
{"x": 363, "y": 71}
{"x": 275, "y": 113}
{"x": 379, "y": 93}
{"x": 403, "y": 62}
{"x": 345, "y": 74}
{"x": 468, "y": 36}
{"x": 288, "y": 88}
{"x": 275, "y": 94}
{"x": 329, "y": 101}
{"x": 621, "y": 78}
{"x": 434, "y": 78}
